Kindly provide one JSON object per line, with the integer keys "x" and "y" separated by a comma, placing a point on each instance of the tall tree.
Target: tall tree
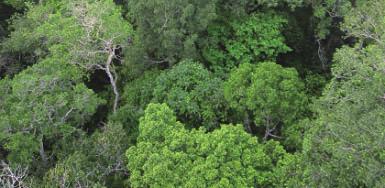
{"x": 193, "y": 92}
{"x": 347, "y": 139}
{"x": 168, "y": 155}
{"x": 46, "y": 103}
{"x": 268, "y": 94}
{"x": 104, "y": 35}
{"x": 75, "y": 30}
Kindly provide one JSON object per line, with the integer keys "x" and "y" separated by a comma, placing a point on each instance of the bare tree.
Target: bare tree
{"x": 12, "y": 178}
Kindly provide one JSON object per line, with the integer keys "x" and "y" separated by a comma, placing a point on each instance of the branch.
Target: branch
{"x": 12, "y": 177}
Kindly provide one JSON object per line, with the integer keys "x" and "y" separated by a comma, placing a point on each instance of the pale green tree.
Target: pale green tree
{"x": 346, "y": 140}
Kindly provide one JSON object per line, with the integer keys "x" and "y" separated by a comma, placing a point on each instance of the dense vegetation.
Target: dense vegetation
{"x": 192, "y": 93}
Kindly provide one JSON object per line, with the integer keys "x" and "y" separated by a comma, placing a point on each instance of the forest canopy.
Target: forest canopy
{"x": 192, "y": 93}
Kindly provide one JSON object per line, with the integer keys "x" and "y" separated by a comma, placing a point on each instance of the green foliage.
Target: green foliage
{"x": 80, "y": 33}
{"x": 366, "y": 21}
{"x": 193, "y": 93}
{"x": 347, "y": 138}
{"x": 47, "y": 101}
{"x": 74, "y": 171}
{"x": 137, "y": 95}
{"x": 274, "y": 3}
{"x": 255, "y": 38}
{"x": 289, "y": 171}
{"x": 101, "y": 30}
{"x": 74, "y": 30}
{"x": 25, "y": 43}
{"x": 168, "y": 155}
{"x": 172, "y": 125}
{"x": 188, "y": 88}
{"x": 294, "y": 134}
{"x": 25, "y": 28}
{"x": 168, "y": 30}
{"x": 99, "y": 158}
{"x": 326, "y": 12}
{"x": 19, "y": 4}
{"x": 23, "y": 147}
{"x": 315, "y": 83}
{"x": 271, "y": 93}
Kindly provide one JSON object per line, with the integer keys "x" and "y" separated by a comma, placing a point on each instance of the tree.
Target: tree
{"x": 252, "y": 39}
{"x": 24, "y": 45}
{"x": 45, "y": 103}
{"x": 269, "y": 93}
{"x": 102, "y": 35}
{"x": 19, "y": 4}
{"x": 346, "y": 140}
{"x": 289, "y": 171}
{"x": 168, "y": 30}
{"x": 327, "y": 12}
{"x": 274, "y": 3}
{"x": 193, "y": 92}
{"x": 168, "y": 155}
{"x": 98, "y": 161}
{"x": 75, "y": 171}
{"x": 77, "y": 31}
{"x": 12, "y": 177}
{"x": 105, "y": 34}
{"x": 180, "y": 76}
{"x": 365, "y": 21}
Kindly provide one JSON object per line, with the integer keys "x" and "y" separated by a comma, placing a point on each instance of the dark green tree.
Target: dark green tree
{"x": 252, "y": 39}
{"x": 193, "y": 92}
{"x": 169, "y": 30}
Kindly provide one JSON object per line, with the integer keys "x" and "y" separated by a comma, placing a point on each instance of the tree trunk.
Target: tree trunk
{"x": 112, "y": 80}
{"x": 268, "y": 128}
{"x": 246, "y": 122}
{"x": 42, "y": 153}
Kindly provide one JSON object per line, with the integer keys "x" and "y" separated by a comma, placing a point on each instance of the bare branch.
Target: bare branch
{"x": 12, "y": 178}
